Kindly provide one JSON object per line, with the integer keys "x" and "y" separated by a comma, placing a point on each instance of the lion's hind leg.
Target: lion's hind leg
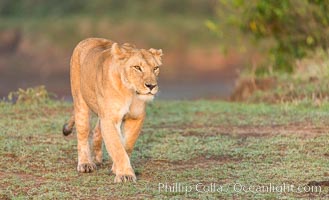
{"x": 81, "y": 113}
{"x": 97, "y": 144}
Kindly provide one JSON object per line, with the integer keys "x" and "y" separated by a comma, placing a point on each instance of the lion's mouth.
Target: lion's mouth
{"x": 139, "y": 93}
{"x": 145, "y": 96}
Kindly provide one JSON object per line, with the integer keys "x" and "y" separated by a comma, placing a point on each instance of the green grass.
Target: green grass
{"x": 186, "y": 142}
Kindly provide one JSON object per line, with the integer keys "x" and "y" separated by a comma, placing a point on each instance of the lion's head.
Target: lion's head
{"x": 139, "y": 69}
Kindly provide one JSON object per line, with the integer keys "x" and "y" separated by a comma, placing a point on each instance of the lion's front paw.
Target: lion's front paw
{"x": 124, "y": 178}
{"x": 86, "y": 167}
{"x": 127, "y": 175}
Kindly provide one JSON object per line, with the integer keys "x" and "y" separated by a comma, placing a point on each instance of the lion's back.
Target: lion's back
{"x": 89, "y": 45}
{"x": 86, "y": 55}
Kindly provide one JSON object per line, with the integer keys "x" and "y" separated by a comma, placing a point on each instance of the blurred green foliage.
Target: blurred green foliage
{"x": 293, "y": 27}
{"x": 37, "y": 8}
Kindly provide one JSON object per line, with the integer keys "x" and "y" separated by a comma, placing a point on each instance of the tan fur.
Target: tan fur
{"x": 114, "y": 82}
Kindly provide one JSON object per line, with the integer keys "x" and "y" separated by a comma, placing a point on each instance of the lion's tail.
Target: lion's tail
{"x": 68, "y": 127}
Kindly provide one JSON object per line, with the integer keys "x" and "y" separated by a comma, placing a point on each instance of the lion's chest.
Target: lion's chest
{"x": 134, "y": 110}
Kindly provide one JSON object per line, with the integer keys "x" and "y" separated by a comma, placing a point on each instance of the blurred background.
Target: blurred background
{"x": 206, "y": 43}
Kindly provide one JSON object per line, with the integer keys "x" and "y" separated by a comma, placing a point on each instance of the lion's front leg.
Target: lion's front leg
{"x": 131, "y": 129}
{"x": 111, "y": 133}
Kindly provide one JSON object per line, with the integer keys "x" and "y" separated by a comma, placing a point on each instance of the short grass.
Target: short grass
{"x": 183, "y": 142}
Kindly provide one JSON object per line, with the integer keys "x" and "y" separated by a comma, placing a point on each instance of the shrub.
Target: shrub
{"x": 34, "y": 95}
{"x": 294, "y": 26}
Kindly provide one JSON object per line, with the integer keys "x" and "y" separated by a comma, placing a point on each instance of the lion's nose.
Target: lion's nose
{"x": 150, "y": 86}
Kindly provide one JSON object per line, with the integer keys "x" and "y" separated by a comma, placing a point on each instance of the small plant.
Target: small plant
{"x": 33, "y": 95}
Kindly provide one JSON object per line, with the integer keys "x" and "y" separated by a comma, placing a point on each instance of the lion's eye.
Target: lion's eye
{"x": 138, "y": 68}
{"x": 156, "y": 68}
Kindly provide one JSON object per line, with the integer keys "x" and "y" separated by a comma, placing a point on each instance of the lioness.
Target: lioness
{"x": 114, "y": 82}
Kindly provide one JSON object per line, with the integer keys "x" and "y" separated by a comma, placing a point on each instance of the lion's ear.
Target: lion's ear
{"x": 156, "y": 52}
{"x": 118, "y": 52}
